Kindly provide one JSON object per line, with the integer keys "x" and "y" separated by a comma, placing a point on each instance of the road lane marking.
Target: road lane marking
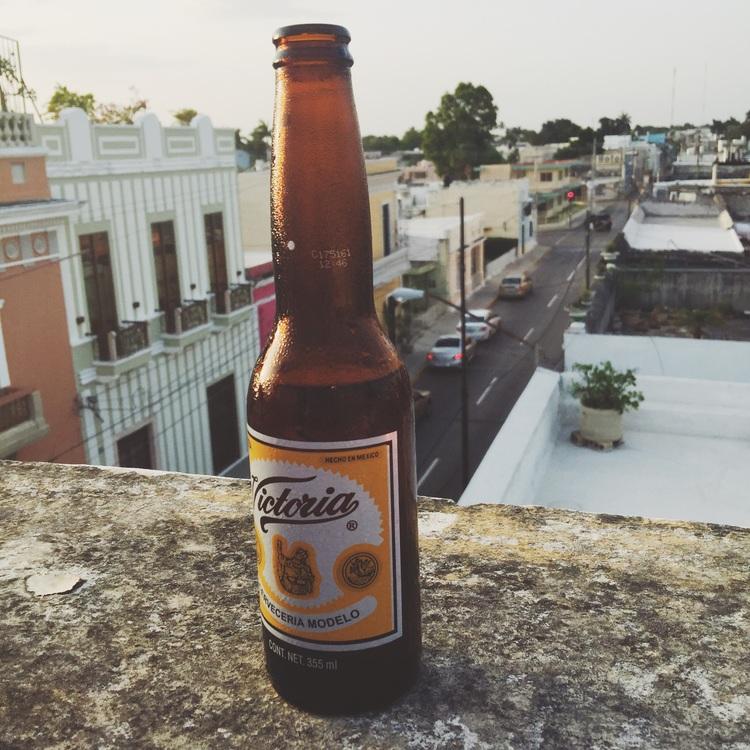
{"x": 486, "y": 391}
{"x": 531, "y": 330}
{"x": 435, "y": 462}
{"x": 571, "y": 275}
{"x": 558, "y": 241}
{"x": 580, "y": 263}
{"x": 552, "y": 301}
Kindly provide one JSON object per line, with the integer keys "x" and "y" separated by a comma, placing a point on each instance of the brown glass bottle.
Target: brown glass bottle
{"x": 329, "y": 387}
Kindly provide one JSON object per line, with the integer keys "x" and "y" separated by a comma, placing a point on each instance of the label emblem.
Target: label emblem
{"x": 327, "y": 535}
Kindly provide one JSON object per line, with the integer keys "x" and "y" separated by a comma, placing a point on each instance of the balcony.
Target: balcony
{"x": 232, "y": 304}
{"x": 15, "y": 130}
{"x": 117, "y": 352}
{"x": 21, "y": 419}
{"x": 186, "y": 324}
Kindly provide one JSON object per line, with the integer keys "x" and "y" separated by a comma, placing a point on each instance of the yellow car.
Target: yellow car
{"x": 516, "y": 286}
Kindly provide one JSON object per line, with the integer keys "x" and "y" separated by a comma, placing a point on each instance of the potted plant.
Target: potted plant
{"x": 605, "y": 393}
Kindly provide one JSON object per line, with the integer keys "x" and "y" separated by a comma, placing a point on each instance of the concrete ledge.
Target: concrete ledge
{"x": 542, "y": 628}
{"x": 521, "y": 448}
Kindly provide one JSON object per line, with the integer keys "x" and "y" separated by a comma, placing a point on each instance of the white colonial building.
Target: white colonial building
{"x": 162, "y": 327}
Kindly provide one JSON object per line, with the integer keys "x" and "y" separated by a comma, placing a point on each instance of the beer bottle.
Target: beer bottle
{"x": 330, "y": 413}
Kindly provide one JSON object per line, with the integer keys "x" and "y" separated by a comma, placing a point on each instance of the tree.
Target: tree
{"x": 457, "y": 136}
{"x": 412, "y": 139}
{"x": 108, "y": 114}
{"x": 513, "y": 136}
{"x": 185, "y": 116}
{"x": 559, "y": 131}
{"x": 580, "y": 147}
{"x": 386, "y": 144}
{"x": 260, "y": 140}
{"x": 63, "y": 97}
{"x": 121, "y": 114}
{"x": 614, "y": 126}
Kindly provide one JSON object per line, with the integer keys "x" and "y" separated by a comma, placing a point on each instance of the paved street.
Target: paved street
{"x": 503, "y": 365}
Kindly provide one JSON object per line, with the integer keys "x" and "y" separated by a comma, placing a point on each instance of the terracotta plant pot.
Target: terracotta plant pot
{"x": 601, "y": 425}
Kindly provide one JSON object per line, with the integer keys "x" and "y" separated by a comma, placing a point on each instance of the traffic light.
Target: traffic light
{"x": 570, "y": 195}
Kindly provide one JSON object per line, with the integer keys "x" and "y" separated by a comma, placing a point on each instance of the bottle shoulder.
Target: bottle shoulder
{"x": 351, "y": 352}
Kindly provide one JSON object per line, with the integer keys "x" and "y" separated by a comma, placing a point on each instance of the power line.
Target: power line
{"x": 155, "y": 400}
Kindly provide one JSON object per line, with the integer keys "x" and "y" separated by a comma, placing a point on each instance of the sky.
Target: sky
{"x": 580, "y": 59}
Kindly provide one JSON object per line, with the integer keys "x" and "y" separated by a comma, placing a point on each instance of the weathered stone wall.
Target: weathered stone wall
{"x": 675, "y": 288}
{"x": 542, "y": 628}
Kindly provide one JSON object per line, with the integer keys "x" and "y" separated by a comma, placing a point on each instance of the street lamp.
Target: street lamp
{"x": 393, "y": 300}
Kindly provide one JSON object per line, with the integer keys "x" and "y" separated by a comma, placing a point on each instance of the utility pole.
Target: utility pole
{"x": 588, "y": 250}
{"x": 464, "y": 369}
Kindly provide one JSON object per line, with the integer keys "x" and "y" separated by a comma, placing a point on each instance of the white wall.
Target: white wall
{"x": 169, "y": 393}
{"x": 701, "y": 359}
{"x": 127, "y": 177}
{"x": 127, "y": 183}
{"x": 515, "y": 462}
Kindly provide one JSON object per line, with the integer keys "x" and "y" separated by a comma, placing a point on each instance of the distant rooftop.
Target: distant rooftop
{"x": 666, "y": 226}
{"x": 437, "y": 227}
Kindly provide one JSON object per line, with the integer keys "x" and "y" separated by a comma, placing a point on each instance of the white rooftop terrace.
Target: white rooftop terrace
{"x": 686, "y": 450}
{"x": 441, "y": 227}
{"x": 670, "y": 226}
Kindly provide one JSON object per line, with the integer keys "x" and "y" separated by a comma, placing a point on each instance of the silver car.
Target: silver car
{"x": 481, "y": 324}
{"x": 446, "y": 352}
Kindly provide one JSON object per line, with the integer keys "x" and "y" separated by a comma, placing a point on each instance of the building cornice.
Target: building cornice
{"x": 134, "y": 167}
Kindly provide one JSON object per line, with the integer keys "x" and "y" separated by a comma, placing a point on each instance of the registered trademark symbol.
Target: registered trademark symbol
{"x": 351, "y": 525}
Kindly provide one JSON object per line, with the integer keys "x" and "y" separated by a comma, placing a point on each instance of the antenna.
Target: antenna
{"x": 674, "y": 86}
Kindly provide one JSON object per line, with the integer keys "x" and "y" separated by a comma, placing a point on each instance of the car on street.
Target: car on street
{"x": 422, "y": 403}
{"x": 516, "y": 286}
{"x": 446, "y": 351}
{"x": 481, "y": 324}
{"x": 601, "y": 221}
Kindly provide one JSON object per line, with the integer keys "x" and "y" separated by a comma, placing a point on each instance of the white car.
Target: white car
{"x": 481, "y": 324}
{"x": 446, "y": 352}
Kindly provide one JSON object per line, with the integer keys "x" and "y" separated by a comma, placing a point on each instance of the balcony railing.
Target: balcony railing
{"x": 15, "y": 407}
{"x": 15, "y": 129}
{"x": 191, "y": 314}
{"x": 228, "y": 300}
{"x": 130, "y": 338}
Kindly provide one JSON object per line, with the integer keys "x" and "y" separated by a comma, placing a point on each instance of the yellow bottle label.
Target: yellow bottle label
{"x": 327, "y": 534}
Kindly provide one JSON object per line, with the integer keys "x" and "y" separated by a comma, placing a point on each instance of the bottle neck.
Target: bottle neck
{"x": 320, "y": 218}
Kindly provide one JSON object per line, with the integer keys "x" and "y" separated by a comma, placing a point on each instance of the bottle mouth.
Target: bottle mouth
{"x": 312, "y": 43}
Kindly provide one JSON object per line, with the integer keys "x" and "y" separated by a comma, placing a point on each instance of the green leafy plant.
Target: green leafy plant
{"x": 603, "y": 387}
{"x": 696, "y": 321}
{"x": 11, "y": 82}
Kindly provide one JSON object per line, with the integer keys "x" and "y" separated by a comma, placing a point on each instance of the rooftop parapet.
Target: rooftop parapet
{"x": 75, "y": 140}
{"x": 542, "y": 627}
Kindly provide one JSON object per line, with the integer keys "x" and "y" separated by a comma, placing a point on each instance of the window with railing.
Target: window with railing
{"x": 217, "y": 256}
{"x": 123, "y": 341}
{"x": 15, "y": 407}
{"x": 167, "y": 271}
{"x": 190, "y": 314}
{"x": 99, "y": 285}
